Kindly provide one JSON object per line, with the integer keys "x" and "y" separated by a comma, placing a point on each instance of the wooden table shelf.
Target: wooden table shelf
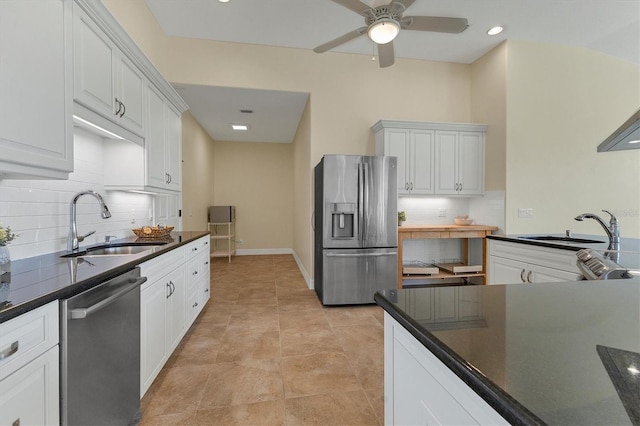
{"x": 410, "y": 232}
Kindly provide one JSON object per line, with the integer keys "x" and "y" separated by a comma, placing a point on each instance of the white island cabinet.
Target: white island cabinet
{"x": 512, "y": 262}
{"x": 36, "y": 97}
{"x": 420, "y": 390}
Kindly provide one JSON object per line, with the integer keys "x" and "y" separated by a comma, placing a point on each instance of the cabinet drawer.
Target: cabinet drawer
{"x": 24, "y": 338}
{"x": 194, "y": 248}
{"x": 160, "y": 266}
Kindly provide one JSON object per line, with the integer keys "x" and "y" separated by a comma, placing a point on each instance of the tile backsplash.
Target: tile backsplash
{"x": 39, "y": 210}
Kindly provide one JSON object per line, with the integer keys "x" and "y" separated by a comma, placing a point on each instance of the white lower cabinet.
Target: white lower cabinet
{"x": 420, "y": 390}
{"x": 162, "y": 313}
{"x": 511, "y": 263}
{"x": 29, "y": 368}
{"x": 176, "y": 281}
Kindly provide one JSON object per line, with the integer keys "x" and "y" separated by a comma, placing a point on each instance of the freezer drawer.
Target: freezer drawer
{"x": 353, "y": 276}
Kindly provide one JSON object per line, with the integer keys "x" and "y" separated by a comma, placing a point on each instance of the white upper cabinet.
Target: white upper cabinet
{"x": 36, "y": 128}
{"x": 414, "y": 150}
{"x": 434, "y": 158}
{"x": 105, "y": 81}
{"x": 459, "y": 162}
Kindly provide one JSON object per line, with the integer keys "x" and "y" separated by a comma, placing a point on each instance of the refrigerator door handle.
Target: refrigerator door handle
{"x": 366, "y": 183}
{"x": 361, "y": 186}
{"x": 360, "y": 254}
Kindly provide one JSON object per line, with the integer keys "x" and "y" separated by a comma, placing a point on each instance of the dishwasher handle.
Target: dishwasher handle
{"x": 82, "y": 313}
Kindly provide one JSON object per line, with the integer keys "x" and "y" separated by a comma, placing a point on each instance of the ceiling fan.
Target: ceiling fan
{"x": 383, "y": 23}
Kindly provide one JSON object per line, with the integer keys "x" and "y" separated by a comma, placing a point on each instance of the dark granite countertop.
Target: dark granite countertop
{"x": 38, "y": 280}
{"x": 555, "y": 353}
{"x": 629, "y": 256}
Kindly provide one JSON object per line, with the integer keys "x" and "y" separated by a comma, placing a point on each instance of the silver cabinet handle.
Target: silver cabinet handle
{"x": 529, "y": 277}
{"x": 206, "y": 290}
{"x": 195, "y": 305}
{"x": 119, "y": 107}
{"x": 411, "y": 186}
{"x": 10, "y": 350}
{"x": 124, "y": 109}
{"x": 82, "y": 313}
{"x": 460, "y": 187}
{"x": 522, "y": 276}
{"x": 194, "y": 273}
{"x": 172, "y": 288}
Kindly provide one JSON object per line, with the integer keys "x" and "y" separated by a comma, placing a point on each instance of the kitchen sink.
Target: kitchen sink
{"x": 555, "y": 239}
{"x": 117, "y": 249}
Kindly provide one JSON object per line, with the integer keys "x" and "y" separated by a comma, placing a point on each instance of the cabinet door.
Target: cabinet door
{"x": 31, "y": 395}
{"x": 396, "y": 144}
{"x": 130, "y": 93}
{"x": 173, "y": 149}
{"x": 542, "y": 274}
{"x": 155, "y": 141}
{"x": 471, "y": 163}
{"x": 36, "y": 128}
{"x": 94, "y": 66}
{"x": 421, "y": 160}
{"x": 153, "y": 326}
{"x": 446, "y": 164}
{"x": 506, "y": 271}
{"x": 176, "y": 307}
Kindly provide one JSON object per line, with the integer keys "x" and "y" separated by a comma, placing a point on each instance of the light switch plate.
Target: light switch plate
{"x": 525, "y": 213}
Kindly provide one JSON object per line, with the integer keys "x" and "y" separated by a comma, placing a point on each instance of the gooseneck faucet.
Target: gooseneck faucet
{"x": 74, "y": 238}
{"x": 612, "y": 230}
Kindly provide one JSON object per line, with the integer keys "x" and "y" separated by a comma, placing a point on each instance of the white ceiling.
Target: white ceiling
{"x": 608, "y": 26}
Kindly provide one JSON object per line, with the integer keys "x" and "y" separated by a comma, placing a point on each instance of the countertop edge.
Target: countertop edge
{"x": 446, "y": 227}
{"x": 504, "y": 404}
{"x": 88, "y": 283}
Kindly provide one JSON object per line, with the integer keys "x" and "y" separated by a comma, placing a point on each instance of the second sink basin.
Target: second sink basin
{"x": 556, "y": 239}
{"x": 116, "y": 249}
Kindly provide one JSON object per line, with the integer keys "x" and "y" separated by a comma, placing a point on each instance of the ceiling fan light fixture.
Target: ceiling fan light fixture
{"x": 383, "y": 30}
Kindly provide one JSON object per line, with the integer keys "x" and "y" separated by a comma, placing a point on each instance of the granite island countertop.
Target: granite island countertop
{"x": 555, "y": 353}
{"x": 38, "y": 280}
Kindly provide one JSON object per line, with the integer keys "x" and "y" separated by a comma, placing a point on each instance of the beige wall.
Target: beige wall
{"x": 489, "y": 106}
{"x": 257, "y": 179}
{"x": 562, "y": 102}
{"x": 302, "y": 196}
{"x": 197, "y": 174}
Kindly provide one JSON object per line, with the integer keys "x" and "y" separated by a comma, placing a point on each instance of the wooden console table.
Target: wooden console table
{"x": 408, "y": 232}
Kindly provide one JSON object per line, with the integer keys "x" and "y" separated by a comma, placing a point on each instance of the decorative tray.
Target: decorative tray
{"x": 417, "y": 267}
{"x": 459, "y": 268}
{"x": 153, "y": 231}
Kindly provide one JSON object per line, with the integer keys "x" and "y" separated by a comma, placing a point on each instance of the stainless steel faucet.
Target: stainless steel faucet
{"x": 74, "y": 238}
{"x": 613, "y": 230}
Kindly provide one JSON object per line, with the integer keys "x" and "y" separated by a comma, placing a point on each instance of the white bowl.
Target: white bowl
{"x": 463, "y": 221}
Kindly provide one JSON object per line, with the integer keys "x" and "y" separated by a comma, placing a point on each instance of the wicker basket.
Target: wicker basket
{"x": 152, "y": 231}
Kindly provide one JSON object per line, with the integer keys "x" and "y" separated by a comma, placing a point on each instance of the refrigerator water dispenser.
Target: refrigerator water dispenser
{"x": 343, "y": 220}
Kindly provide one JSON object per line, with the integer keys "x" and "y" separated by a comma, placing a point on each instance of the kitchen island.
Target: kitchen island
{"x": 554, "y": 353}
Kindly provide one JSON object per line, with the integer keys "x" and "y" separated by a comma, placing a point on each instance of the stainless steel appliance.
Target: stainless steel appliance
{"x": 355, "y": 228}
{"x": 100, "y": 353}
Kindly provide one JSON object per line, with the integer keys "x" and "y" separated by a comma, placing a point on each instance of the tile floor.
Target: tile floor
{"x": 264, "y": 351}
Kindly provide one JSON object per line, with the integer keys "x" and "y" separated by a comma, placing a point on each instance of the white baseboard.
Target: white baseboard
{"x": 260, "y": 252}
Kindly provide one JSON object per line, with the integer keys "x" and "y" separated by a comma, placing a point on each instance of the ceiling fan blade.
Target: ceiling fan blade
{"x": 340, "y": 40}
{"x": 356, "y": 5}
{"x": 434, "y": 23}
{"x": 386, "y": 55}
{"x": 405, "y": 3}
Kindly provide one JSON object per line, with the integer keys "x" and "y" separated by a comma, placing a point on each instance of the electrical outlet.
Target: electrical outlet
{"x": 240, "y": 241}
{"x": 525, "y": 213}
{"x": 442, "y": 213}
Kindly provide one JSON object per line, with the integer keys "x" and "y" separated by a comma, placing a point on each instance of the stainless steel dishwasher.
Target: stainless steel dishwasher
{"x": 100, "y": 353}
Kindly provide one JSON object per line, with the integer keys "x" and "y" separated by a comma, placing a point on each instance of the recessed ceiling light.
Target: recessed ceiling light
{"x": 495, "y": 30}
{"x": 239, "y": 127}
{"x": 223, "y": 1}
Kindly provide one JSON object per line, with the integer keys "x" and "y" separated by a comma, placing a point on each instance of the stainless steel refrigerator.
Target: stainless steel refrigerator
{"x": 355, "y": 228}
